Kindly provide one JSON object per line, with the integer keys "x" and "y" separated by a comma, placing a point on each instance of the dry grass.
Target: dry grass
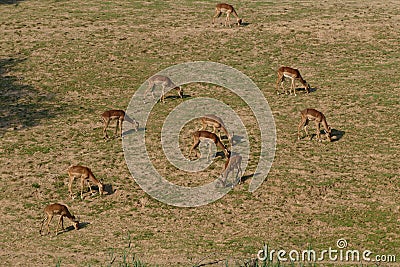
{"x": 62, "y": 63}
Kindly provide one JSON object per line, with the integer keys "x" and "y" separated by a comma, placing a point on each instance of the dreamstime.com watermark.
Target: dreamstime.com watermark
{"x": 190, "y": 108}
{"x": 340, "y": 253}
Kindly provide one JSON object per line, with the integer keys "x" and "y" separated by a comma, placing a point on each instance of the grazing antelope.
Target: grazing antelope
{"x": 199, "y": 136}
{"x": 86, "y": 175}
{"x": 310, "y": 114}
{"x": 165, "y": 83}
{"x": 58, "y": 209}
{"x": 292, "y": 74}
{"x": 228, "y": 9}
{"x": 217, "y": 123}
{"x": 119, "y": 116}
{"x": 232, "y": 163}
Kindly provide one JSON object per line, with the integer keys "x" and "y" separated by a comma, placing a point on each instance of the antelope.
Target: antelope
{"x": 58, "y": 209}
{"x": 310, "y": 114}
{"x": 165, "y": 83}
{"x": 215, "y": 122}
{"x": 232, "y": 163}
{"x": 228, "y": 9}
{"x": 86, "y": 175}
{"x": 199, "y": 136}
{"x": 119, "y": 116}
{"x": 292, "y": 74}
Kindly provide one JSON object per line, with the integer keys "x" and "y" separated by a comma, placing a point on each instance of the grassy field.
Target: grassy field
{"x": 62, "y": 63}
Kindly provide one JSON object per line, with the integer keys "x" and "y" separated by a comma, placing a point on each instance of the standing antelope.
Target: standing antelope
{"x": 232, "y": 163}
{"x": 310, "y": 114}
{"x": 228, "y": 9}
{"x": 165, "y": 83}
{"x": 206, "y": 136}
{"x": 58, "y": 209}
{"x": 119, "y": 116}
{"x": 86, "y": 175}
{"x": 217, "y": 123}
{"x": 292, "y": 74}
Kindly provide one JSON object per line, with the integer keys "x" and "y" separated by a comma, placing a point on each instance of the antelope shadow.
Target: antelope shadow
{"x": 247, "y": 177}
{"x": 237, "y": 139}
{"x": 301, "y": 89}
{"x": 177, "y": 97}
{"x": 337, "y": 134}
{"x": 10, "y": 2}
{"x": 109, "y": 189}
{"x": 132, "y": 131}
{"x": 81, "y": 225}
{"x": 244, "y": 24}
